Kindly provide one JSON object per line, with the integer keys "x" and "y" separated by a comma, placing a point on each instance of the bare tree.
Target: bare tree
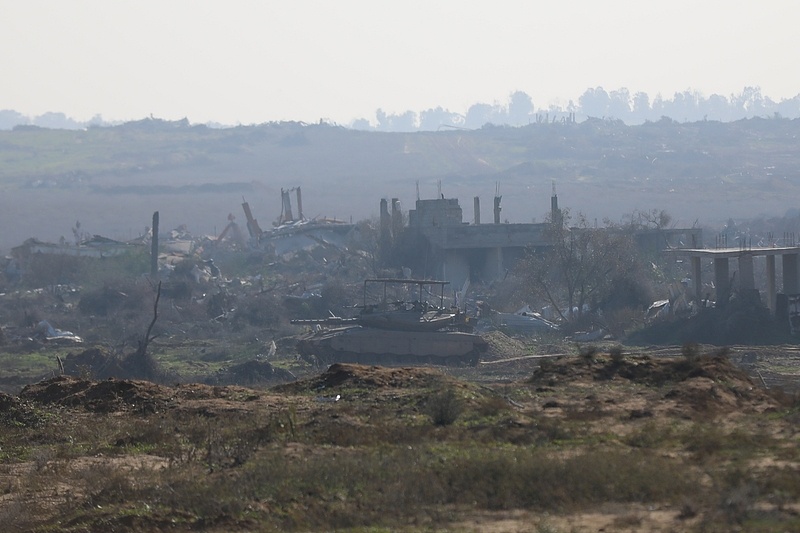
{"x": 141, "y": 363}
{"x": 582, "y": 267}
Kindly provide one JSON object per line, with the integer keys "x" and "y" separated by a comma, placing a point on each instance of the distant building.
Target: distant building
{"x": 456, "y": 251}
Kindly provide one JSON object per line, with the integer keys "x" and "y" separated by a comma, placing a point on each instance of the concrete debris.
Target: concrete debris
{"x": 523, "y": 321}
{"x": 589, "y": 336}
{"x": 44, "y": 329}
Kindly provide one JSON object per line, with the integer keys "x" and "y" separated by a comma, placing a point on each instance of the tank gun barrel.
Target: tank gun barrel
{"x": 330, "y": 321}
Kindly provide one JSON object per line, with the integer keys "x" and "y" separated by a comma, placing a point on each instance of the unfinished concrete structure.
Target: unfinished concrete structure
{"x": 724, "y": 283}
{"x": 458, "y": 250}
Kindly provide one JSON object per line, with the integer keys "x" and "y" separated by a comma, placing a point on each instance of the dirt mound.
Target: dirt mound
{"x": 251, "y": 373}
{"x": 342, "y": 375}
{"x": 100, "y": 396}
{"x": 501, "y": 346}
{"x": 94, "y": 362}
{"x": 707, "y": 383}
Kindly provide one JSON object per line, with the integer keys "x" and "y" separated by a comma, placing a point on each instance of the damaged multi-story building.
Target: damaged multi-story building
{"x": 438, "y": 243}
{"x": 442, "y": 245}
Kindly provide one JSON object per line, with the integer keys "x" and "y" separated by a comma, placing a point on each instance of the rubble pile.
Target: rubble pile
{"x": 501, "y": 346}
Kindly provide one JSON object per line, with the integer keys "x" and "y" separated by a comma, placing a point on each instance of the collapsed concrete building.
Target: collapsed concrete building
{"x": 291, "y": 233}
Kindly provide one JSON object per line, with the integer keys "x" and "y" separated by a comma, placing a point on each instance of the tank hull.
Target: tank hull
{"x": 356, "y": 344}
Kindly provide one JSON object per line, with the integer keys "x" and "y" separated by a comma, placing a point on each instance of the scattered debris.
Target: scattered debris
{"x": 524, "y": 321}
{"x": 52, "y": 334}
{"x": 328, "y": 399}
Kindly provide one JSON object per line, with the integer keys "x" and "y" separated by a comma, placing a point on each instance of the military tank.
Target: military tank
{"x": 401, "y": 322}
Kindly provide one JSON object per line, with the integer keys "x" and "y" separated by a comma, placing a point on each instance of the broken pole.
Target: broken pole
{"x": 252, "y": 224}
{"x": 154, "y": 248}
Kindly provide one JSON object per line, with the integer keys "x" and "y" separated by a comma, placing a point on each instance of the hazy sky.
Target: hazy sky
{"x": 255, "y": 61}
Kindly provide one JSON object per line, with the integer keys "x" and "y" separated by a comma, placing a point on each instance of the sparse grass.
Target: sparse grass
{"x": 378, "y": 457}
{"x": 651, "y": 435}
{"x": 31, "y": 365}
{"x": 705, "y": 440}
{"x": 387, "y": 483}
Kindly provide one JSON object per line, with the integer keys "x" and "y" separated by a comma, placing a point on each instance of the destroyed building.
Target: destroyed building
{"x": 448, "y": 248}
{"x": 291, "y": 233}
{"x": 456, "y": 250}
{"x": 95, "y": 246}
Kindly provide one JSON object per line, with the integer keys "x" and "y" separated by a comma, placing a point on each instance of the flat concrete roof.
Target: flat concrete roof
{"x": 734, "y": 252}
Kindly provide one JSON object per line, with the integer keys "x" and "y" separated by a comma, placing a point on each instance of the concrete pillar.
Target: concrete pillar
{"x": 493, "y": 269}
{"x": 771, "y": 292}
{"x": 299, "y": 204}
{"x": 555, "y": 212}
{"x": 386, "y": 229}
{"x": 746, "y": 278}
{"x": 722, "y": 280}
{"x": 455, "y": 268}
{"x": 287, "y": 206}
{"x": 697, "y": 278}
{"x": 790, "y": 281}
{"x": 397, "y": 219}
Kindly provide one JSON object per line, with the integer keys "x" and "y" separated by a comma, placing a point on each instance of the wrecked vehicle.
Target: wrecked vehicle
{"x": 397, "y": 325}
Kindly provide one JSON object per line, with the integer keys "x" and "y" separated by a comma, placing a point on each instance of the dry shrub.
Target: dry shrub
{"x": 106, "y": 483}
{"x": 587, "y": 352}
{"x": 356, "y": 486}
{"x": 491, "y": 406}
{"x": 651, "y": 435}
{"x": 444, "y": 408}
{"x": 548, "y": 430}
{"x": 628, "y": 521}
{"x": 537, "y": 480}
{"x": 704, "y": 440}
{"x": 617, "y": 354}
{"x": 691, "y": 352}
{"x": 260, "y": 310}
{"x": 21, "y": 515}
{"x": 622, "y": 321}
{"x": 789, "y": 400}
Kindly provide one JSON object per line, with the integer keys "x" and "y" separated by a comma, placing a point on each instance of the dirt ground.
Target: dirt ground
{"x": 606, "y": 393}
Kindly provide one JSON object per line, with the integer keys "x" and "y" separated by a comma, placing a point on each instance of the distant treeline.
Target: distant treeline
{"x": 520, "y": 110}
